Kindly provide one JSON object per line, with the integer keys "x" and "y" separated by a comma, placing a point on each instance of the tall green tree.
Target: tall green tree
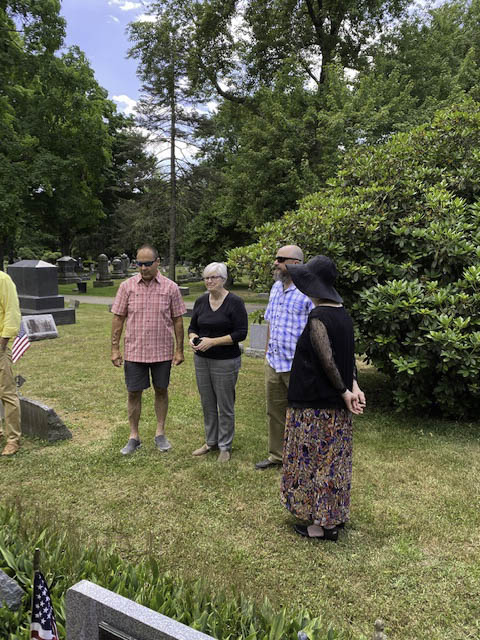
{"x": 68, "y": 113}
{"x": 29, "y": 30}
{"x": 242, "y": 44}
{"x": 165, "y": 109}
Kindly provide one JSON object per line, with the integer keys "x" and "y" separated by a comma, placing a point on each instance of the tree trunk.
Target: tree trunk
{"x": 173, "y": 200}
{"x": 173, "y": 175}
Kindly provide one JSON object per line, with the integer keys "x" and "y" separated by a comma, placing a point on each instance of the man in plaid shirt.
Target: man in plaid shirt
{"x": 152, "y": 307}
{"x": 287, "y": 314}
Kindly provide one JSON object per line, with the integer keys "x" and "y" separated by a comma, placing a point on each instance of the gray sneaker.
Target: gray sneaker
{"x": 162, "y": 443}
{"x": 131, "y": 446}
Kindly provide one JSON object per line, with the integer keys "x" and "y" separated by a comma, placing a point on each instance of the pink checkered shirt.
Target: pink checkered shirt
{"x": 149, "y": 310}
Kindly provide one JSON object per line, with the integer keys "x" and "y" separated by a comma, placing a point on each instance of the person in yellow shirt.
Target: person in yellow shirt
{"x": 9, "y": 327}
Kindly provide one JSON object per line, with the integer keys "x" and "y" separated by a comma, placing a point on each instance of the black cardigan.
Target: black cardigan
{"x": 229, "y": 319}
{"x": 310, "y": 385}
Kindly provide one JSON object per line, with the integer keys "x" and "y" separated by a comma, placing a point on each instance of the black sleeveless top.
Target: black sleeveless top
{"x": 317, "y": 380}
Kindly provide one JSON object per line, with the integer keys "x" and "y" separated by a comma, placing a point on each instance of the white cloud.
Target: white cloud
{"x": 161, "y": 149}
{"x": 114, "y": 18}
{"x": 145, "y": 17}
{"x": 130, "y": 104}
{"x": 125, "y": 5}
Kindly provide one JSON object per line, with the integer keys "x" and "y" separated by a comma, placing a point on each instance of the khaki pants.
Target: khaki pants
{"x": 9, "y": 398}
{"x": 276, "y": 391}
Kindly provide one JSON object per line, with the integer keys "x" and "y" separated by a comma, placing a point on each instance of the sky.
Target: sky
{"x": 99, "y": 27}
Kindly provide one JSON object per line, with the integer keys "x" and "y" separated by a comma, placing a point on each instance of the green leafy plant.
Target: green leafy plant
{"x": 402, "y": 222}
{"x": 257, "y": 316}
{"x": 65, "y": 563}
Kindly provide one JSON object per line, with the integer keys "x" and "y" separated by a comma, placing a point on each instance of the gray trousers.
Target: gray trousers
{"x": 216, "y": 380}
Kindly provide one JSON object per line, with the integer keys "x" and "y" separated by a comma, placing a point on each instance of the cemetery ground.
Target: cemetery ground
{"x": 409, "y": 555}
{"x": 196, "y": 289}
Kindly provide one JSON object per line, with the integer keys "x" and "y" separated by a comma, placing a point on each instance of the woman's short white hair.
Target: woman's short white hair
{"x": 216, "y": 269}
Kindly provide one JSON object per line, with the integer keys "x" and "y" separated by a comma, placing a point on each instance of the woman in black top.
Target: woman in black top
{"x": 322, "y": 395}
{"x": 219, "y": 322}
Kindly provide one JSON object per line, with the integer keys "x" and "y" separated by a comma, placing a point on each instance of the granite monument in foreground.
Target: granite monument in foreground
{"x": 94, "y": 613}
{"x": 37, "y": 288}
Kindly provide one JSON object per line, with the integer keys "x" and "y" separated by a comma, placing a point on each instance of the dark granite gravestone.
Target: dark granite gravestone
{"x": 41, "y": 421}
{"x": 10, "y": 592}
{"x": 37, "y": 288}
{"x": 117, "y": 269}
{"x": 103, "y": 275}
{"x": 66, "y": 270}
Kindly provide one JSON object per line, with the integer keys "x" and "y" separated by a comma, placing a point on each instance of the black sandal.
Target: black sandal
{"x": 328, "y": 534}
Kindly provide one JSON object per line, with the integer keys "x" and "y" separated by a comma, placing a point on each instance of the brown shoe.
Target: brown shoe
{"x": 223, "y": 456}
{"x": 203, "y": 450}
{"x": 10, "y": 449}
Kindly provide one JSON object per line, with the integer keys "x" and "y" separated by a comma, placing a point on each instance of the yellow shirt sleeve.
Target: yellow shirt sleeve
{"x": 10, "y": 315}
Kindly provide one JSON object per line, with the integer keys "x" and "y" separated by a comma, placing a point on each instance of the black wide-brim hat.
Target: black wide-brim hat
{"x": 316, "y": 278}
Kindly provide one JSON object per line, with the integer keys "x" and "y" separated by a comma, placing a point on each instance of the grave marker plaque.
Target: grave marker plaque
{"x": 40, "y": 327}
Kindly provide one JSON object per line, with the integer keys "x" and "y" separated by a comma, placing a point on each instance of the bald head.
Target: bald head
{"x": 291, "y": 251}
{"x": 289, "y": 254}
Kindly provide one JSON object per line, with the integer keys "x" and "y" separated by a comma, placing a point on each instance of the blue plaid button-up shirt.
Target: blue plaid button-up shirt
{"x": 287, "y": 312}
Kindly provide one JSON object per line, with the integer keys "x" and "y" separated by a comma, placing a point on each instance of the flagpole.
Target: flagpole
{"x": 36, "y": 567}
{"x": 36, "y": 560}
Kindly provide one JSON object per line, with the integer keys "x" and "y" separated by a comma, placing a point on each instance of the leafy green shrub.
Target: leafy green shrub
{"x": 51, "y": 256}
{"x": 65, "y": 562}
{"x": 27, "y": 253}
{"x": 402, "y": 222}
{"x": 257, "y": 316}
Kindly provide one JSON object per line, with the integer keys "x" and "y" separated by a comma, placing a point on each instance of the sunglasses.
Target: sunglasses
{"x": 283, "y": 258}
{"x": 147, "y": 263}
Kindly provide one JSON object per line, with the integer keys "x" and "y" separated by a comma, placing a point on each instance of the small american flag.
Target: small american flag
{"x": 20, "y": 344}
{"x": 43, "y": 626}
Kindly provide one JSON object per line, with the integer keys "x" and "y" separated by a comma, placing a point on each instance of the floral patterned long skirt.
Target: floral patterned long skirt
{"x": 317, "y": 465}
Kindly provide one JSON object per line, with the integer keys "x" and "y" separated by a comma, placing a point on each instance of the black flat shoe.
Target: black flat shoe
{"x": 328, "y": 534}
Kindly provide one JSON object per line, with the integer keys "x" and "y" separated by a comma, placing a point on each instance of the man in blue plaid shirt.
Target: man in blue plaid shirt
{"x": 287, "y": 314}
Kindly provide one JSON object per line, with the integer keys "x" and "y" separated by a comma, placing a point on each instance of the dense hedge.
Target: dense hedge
{"x": 402, "y": 221}
{"x": 64, "y": 563}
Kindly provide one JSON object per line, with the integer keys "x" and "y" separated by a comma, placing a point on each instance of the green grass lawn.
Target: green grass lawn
{"x": 410, "y": 554}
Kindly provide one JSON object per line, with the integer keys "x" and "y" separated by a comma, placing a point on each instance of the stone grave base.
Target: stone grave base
{"x": 61, "y": 316}
{"x": 102, "y": 283}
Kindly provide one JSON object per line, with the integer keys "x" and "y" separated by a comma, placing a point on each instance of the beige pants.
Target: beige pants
{"x": 276, "y": 391}
{"x": 9, "y": 398}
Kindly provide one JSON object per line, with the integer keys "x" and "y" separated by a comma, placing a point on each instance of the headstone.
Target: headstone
{"x": 40, "y": 421}
{"x": 10, "y": 592}
{"x": 125, "y": 263}
{"x": 81, "y": 273}
{"x": 185, "y": 291}
{"x": 117, "y": 269}
{"x": 66, "y": 270}
{"x": 103, "y": 275}
{"x": 37, "y": 288}
{"x": 90, "y": 608}
{"x": 258, "y": 340}
{"x": 40, "y": 327}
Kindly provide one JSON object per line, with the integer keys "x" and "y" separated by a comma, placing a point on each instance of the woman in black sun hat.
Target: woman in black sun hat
{"x": 322, "y": 396}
